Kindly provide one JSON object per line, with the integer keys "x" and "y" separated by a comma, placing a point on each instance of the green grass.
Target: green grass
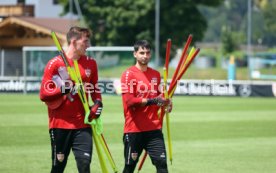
{"x": 210, "y": 134}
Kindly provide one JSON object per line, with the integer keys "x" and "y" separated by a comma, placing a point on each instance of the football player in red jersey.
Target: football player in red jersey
{"x": 65, "y": 110}
{"x": 142, "y": 97}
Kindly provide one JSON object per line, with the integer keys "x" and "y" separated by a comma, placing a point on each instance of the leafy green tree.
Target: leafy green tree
{"x": 270, "y": 23}
{"x": 117, "y": 22}
{"x": 233, "y": 13}
{"x": 228, "y": 40}
{"x": 121, "y": 22}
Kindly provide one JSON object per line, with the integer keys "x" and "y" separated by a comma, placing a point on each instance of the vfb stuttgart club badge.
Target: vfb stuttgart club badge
{"x": 87, "y": 72}
{"x": 134, "y": 156}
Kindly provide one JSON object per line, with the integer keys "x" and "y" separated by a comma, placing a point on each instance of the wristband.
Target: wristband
{"x": 151, "y": 101}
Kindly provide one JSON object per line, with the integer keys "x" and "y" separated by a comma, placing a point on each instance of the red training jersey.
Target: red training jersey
{"x": 137, "y": 85}
{"x": 69, "y": 115}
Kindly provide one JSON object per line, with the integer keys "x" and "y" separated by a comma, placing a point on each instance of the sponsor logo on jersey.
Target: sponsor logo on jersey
{"x": 86, "y": 154}
{"x": 163, "y": 155}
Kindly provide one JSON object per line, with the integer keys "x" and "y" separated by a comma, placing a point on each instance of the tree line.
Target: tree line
{"x": 121, "y": 22}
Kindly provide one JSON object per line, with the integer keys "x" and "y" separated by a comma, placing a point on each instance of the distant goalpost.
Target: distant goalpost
{"x": 35, "y": 59}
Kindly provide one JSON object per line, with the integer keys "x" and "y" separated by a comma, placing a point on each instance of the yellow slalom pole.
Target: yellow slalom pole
{"x": 96, "y": 136}
{"x": 97, "y": 130}
{"x": 190, "y": 55}
{"x": 99, "y": 152}
{"x": 80, "y": 84}
{"x": 170, "y": 96}
{"x": 192, "y": 51}
{"x": 87, "y": 112}
{"x": 188, "y": 59}
{"x": 98, "y": 121}
{"x": 167, "y": 116}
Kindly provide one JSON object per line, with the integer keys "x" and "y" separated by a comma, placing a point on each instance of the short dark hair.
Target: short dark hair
{"x": 77, "y": 32}
{"x": 142, "y": 44}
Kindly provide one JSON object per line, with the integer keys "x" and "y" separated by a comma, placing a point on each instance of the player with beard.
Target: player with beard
{"x": 142, "y": 97}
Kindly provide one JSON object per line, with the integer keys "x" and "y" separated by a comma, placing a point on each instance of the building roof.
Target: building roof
{"x": 30, "y": 27}
{"x": 55, "y": 24}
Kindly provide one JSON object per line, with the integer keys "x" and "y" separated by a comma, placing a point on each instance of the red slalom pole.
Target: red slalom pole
{"x": 188, "y": 42}
{"x": 142, "y": 161}
{"x": 107, "y": 147}
{"x": 168, "y": 51}
{"x": 173, "y": 84}
{"x": 183, "y": 71}
{"x": 182, "y": 65}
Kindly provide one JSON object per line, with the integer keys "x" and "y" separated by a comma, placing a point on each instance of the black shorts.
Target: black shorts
{"x": 63, "y": 140}
{"x": 151, "y": 141}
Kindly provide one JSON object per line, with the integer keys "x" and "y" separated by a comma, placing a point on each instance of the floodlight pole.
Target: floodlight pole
{"x": 24, "y": 71}
{"x": 249, "y": 53}
{"x": 77, "y": 5}
{"x": 157, "y": 28}
{"x": 2, "y": 62}
{"x": 71, "y": 12}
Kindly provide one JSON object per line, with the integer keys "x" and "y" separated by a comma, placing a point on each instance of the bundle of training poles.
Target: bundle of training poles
{"x": 184, "y": 62}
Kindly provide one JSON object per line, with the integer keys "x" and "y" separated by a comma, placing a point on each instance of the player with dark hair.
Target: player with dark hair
{"x": 65, "y": 110}
{"x": 142, "y": 97}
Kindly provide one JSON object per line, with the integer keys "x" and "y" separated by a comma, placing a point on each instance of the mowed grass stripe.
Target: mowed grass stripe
{"x": 210, "y": 134}
{"x": 244, "y": 155}
{"x": 32, "y": 135}
{"x": 222, "y": 130}
{"x": 221, "y": 156}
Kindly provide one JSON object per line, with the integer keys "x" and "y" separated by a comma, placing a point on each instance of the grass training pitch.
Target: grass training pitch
{"x": 209, "y": 135}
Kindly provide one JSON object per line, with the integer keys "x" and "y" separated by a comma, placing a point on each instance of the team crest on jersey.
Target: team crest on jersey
{"x": 87, "y": 72}
{"x": 134, "y": 156}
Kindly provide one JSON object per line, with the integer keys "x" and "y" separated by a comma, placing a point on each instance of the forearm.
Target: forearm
{"x": 96, "y": 95}
{"x": 51, "y": 90}
{"x": 131, "y": 100}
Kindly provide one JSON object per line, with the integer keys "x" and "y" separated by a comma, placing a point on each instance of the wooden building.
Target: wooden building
{"x": 17, "y": 32}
